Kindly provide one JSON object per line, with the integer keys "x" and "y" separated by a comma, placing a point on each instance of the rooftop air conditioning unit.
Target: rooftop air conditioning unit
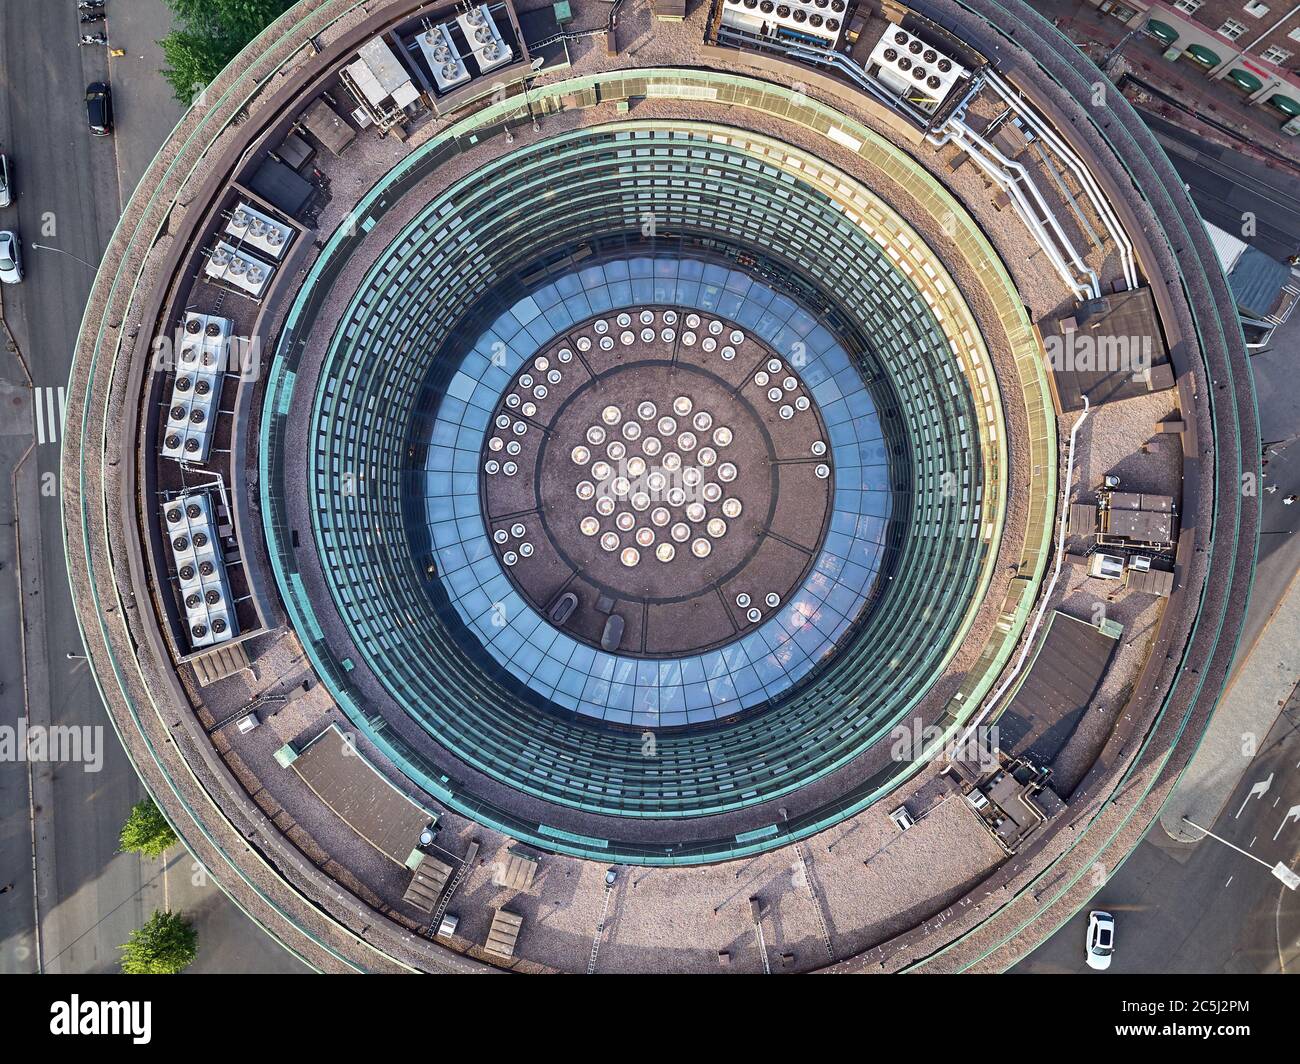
{"x": 816, "y": 22}
{"x": 258, "y": 231}
{"x": 200, "y": 571}
{"x": 196, "y": 389}
{"x": 443, "y": 57}
{"x": 913, "y": 68}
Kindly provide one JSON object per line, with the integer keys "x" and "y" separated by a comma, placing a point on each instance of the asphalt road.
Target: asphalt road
{"x": 1204, "y": 908}
{"x": 59, "y": 823}
{"x": 1225, "y": 185}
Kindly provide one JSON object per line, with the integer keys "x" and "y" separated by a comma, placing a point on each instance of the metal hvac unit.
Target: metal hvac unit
{"x": 200, "y": 570}
{"x": 818, "y": 22}
{"x": 914, "y": 69}
{"x": 196, "y": 389}
{"x": 238, "y": 269}
{"x": 259, "y": 230}
{"x": 443, "y": 57}
{"x": 485, "y": 42}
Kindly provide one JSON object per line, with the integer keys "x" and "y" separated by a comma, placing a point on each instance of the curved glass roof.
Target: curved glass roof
{"x": 720, "y": 190}
{"x": 762, "y": 664}
{"x": 808, "y": 229}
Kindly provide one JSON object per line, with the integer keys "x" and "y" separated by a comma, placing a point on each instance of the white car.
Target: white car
{"x": 11, "y": 257}
{"x": 1101, "y": 940}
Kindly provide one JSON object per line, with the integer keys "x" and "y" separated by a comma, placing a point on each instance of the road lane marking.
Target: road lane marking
{"x": 48, "y": 406}
{"x": 1291, "y": 814}
{"x": 1257, "y": 790}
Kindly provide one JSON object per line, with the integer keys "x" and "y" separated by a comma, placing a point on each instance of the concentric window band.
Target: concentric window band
{"x": 633, "y": 786}
{"x": 485, "y": 748}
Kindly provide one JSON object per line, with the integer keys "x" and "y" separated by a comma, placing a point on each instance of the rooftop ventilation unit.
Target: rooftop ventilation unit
{"x": 238, "y": 269}
{"x": 257, "y": 230}
{"x": 486, "y": 44}
{"x": 443, "y": 57}
{"x": 914, "y": 69}
{"x": 818, "y": 22}
{"x": 201, "y": 357}
{"x": 200, "y": 570}
{"x": 380, "y": 76}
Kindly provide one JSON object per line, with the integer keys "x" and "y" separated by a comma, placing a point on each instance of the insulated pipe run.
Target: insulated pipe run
{"x": 992, "y": 701}
{"x": 1021, "y": 176}
{"x": 1080, "y": 171}
{"x": 956, "y": 132}
{"x": 860, "y": 76}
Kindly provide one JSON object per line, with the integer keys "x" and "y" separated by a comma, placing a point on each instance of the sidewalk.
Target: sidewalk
{"x": 1228, "y": 120}
{"x": 1264, "y": 680}
{"x": 145, "y": 110}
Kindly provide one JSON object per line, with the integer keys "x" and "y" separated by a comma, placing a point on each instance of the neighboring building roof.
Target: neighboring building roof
{"x": 1257, "y": 282}
{"x": 1256, "y": 279}
{"x": 1227, "y": 247}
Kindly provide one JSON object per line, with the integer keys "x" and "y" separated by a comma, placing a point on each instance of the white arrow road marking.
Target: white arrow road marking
{"x": 1257, "y": 791}
{"x": 1291, "y": 814}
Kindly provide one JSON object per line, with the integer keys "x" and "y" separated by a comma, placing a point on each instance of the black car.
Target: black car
{"x": 99, "y": 108}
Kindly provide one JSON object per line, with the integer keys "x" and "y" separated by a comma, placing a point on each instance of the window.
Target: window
{"x": 1255, "y": 9}
{"x": 1274, "y": 54}
{"x": 1232, "y": 29}
{"x": 1189, "y": 7}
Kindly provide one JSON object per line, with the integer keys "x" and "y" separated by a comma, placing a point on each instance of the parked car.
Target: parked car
{"x": 6, "y": 182}
{"x": 1101, "y": 940}
{"x": 11, "y": 257}
{"x": 99, "y": 108}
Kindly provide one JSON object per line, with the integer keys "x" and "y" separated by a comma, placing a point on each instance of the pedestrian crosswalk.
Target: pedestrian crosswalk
{"x": 47, "y": 405}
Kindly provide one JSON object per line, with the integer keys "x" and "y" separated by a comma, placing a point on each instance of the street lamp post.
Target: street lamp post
{"x": 1280, "y": 871}
{"x": 46, "y": 247}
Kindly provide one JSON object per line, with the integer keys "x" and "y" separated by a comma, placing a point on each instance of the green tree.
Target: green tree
{"x": 146, "y": 830}
{"x": 164, "y": 946}
{"x": 208, "y": 34}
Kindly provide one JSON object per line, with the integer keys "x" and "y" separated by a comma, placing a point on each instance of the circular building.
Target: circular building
{"x": 536, "y": 453}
